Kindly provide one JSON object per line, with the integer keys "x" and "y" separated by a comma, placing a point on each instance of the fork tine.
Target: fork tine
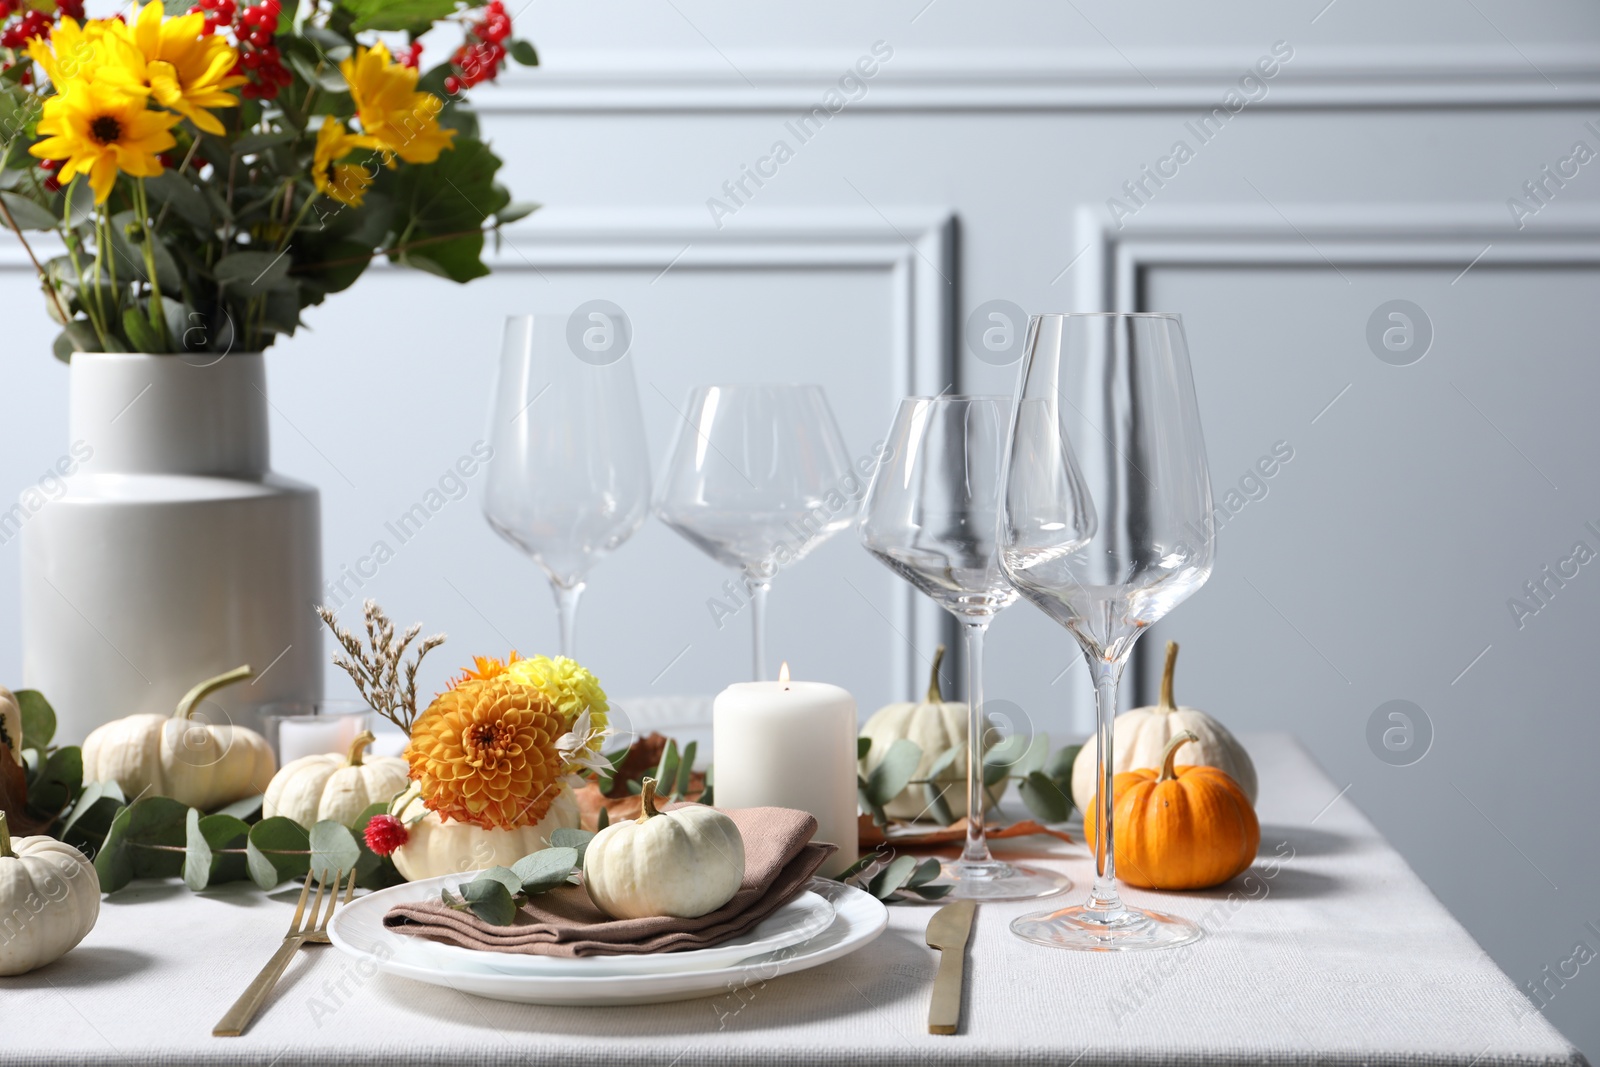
{"x": 316, "y": 905}
{"x": 334, "y": 901}
{"x": 300, "y": 908}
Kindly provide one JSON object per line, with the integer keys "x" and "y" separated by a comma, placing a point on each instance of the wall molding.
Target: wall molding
{"x": 1039, "y": 79}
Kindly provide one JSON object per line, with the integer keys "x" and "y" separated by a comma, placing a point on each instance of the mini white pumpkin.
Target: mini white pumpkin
{"x": 1141, "y": 737}
{"x": 685, "y": 862}
{"x": 194, "y": 763}
{"x": 436, "y": 846}
{"x": 49, "y": 897}
{"x": 329, "y": 786}
{"x": 10, "y": 724}
{"x": 936, "y": 725}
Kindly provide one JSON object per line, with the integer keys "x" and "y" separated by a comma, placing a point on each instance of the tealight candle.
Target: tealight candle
{"x": 790, "y": 744}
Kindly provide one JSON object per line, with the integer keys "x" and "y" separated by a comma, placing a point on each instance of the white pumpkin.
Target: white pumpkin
{"x": 194, "y": 763}
{"x": 329, "y": 786}
{"x": 1141, "y": 737}
{"x": 49, "y": 899}
{"x": 936, "y": 725}
{"x": 686, "y": 862}
{"x": 436, "y": 846}
{"x": 10, "y": 725}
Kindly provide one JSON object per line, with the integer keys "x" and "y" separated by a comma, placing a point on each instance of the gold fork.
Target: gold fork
{"x": 311, "y": 931}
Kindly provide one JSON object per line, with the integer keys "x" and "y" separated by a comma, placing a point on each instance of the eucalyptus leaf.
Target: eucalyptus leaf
{"x": 221, "y": 832}
{"x": 58, "y": 783}
{"x": 126, "y": 853}
{"x": 573, "y": 838}
{"x": 170, "y": 189}
{"x": 937, "y": 808}
{"x": 490, "y": 901}
{"x": 861, "y": 864}
{"x": 91, "y": 810}
{"x": 251, "y": 273}
{"x": 931, "y": 892}
{"x": 892, "y": 877}
{"x": 333, "y": 849}
{"x": 926, "y": 871}
{"x": 197, "y": 854}
{"x": 38, "y": 719}
{"x": 242, "y": 809}
{"x": 863, "y": 746}
{"x": 504, "y": 876}
{"x": 278, "y": 848}
{"x": 544, "y": 870}
{"x": 890, "y": 776}
{"x": 1044, "y": 798}
{"x": 946, "y": 759}
{"x": 140, "y": 333}
{"x": 602, "y": 820}
{"x": 1059, "y": 765}
{"x": 372, "y": 870}
{"x": 29, "y": 215}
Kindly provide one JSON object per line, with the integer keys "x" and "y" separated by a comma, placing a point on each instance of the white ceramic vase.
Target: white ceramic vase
{"x": 174, "y": 553}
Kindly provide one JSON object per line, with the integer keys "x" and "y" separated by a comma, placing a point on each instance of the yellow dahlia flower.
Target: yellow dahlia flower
{"x": 405, "y": 121}
{"x": 183, "y": 69}
{"x": 98, "y": 129}
{"x": 345, "y": 182}
{"x": 484, "y": 752}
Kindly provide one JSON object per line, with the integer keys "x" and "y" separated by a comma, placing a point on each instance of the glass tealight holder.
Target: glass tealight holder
{"x": 296, "y": 728}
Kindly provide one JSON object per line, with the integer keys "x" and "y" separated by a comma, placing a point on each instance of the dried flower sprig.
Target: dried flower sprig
{"x": 385, "y": 681}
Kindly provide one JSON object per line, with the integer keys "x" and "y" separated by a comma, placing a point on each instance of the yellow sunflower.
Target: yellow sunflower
{"x": 484, "y": 752}
{"x": 345, "y": 182}
{"x": 99, "y": 129}
{"x": 100, "y": 48}
{"x": 184, "y": 70}
{"x": 405, "y": 121}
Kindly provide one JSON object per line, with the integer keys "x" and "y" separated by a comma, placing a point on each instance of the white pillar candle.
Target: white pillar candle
{"x": 314, "y": 736}
{"x": 790, "y": 744}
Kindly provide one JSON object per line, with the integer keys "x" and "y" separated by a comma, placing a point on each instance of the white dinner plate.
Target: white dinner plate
{"x": 358, "y": 931}
{"x": 799, "y": 920}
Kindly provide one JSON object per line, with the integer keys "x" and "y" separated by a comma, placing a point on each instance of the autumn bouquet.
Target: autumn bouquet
{"x": 207, "y": 172}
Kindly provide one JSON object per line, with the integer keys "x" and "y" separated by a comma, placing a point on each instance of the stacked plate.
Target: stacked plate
{"x": 827, "y": 921}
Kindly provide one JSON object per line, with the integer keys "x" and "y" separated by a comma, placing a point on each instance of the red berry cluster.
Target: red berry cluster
{"x": 411, "y": 57}
{"x": 32, "y": 24}
{"x": 483, "y": 52}
{"x": 218, "y": 14}
{"x": 72, "y": 9}
{"x": 253, "y": 31}
{"x": 52, "y": 184}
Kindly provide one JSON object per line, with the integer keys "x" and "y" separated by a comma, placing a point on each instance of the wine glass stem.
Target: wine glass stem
{"x": 1103, "y": 897}
{"x": 758, "y": 627}
{"x": 977, "y": 847}
{"x": 567, "y": 612}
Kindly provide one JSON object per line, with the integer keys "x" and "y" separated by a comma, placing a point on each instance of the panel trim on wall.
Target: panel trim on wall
{"x": 1050, "y": 79}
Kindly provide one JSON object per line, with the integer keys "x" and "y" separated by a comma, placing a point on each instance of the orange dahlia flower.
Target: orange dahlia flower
{"x": 484, "y": 752}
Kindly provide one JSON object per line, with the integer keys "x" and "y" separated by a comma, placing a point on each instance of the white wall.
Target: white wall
{"x": 1376, "y": 166}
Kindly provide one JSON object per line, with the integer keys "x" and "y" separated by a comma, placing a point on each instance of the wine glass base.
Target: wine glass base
{"x": 1088, "y": 930}
{"x": 995, "y": 880}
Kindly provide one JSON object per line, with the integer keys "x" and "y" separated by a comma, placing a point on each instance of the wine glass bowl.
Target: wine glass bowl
{"x": 758, "y": 477}
{"x": 569, "y": 479}
{"x": 1106, "y": 401}
{"x": 931, "y": 516}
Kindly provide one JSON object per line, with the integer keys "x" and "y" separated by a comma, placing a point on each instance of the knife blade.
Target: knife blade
{"x": 948, "y": 931}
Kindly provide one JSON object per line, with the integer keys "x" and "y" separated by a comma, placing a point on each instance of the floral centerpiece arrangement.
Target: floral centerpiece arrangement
{"x": 209, "y": 172}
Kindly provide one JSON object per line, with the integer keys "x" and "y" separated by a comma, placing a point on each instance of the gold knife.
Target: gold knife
{"x": 948, "y": 932}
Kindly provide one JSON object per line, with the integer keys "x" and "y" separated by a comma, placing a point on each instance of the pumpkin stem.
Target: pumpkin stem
{"x": 647, "y": 800}
{"x": 1167, "y": 703}
{"x": 5, "y": 839}
{"x": 363, "y": 739}
{"x": 1168, "y": 771}
{"x": 934, "y": 696}
{"x": 193, "y": 697}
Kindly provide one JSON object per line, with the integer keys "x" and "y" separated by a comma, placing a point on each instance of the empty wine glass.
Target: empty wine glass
{"x": 931, "y": 515}
{"x": 757, "y": 478}
{"x": 1114, "y": 390}
{"x": 569, "y": 480}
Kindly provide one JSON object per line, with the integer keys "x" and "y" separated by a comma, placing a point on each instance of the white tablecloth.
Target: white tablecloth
{"x": 1331, "y": 951}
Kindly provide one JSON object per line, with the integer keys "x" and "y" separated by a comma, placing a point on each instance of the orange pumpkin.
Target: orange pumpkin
{"x": 1179, "y": 828}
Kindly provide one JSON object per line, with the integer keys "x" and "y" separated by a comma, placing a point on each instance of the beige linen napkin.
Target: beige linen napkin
{"x": 779, "y": 858}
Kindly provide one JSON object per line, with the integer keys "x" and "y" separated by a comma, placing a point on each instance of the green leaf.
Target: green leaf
{"x": 92, "y": 815}
{"x": 1044, "y": 798}
{"x": 222, "y": 831}
{"x": 667, "y": 770}
{"x": 514, "y": 211}
{"x": 197, "y": 854}
{"x": 686, "y": 770}
{"x": 256, "y": 143}
{"x": 892, "y": 877}
{"x": 459, "y": 259}
{"x": 504, "y": 876}
{"x": 570, "y": 837}
{"x": 930, "y": 892}
{"x": 946, "y": 758}
{"x": 333, "y": 849}
{"x": 1016, "y": 756}
{"x": 602, "y": 820}
{"x": 937, "y": 808}
{"x": 857, "y": 867}
{"x": 490, "y": 901}
{"x": 1059, "y": 765}
{"x": 863, "y": 746}
{"x": 38, "y": 719}
{"x": 412, "y": 15}
{"x": 169, "y": 189}
{"x": 926, "y": 872}
{"x": 140, "y": 333}
{"x": 324, "y": 76}
{"x": 523, "y": 52}
{"x": 130, "y": 255}
{"x": 251, "y": 273}
{"x": 544, "y": 870}
{"x": 29, "y": 215}
{"x": 147, "y": 821}
{"x": 244, "y": 809}
{"x": 890, "y": 776}
{"x": 58, "y": 783}
{"x": 278, "y": 848}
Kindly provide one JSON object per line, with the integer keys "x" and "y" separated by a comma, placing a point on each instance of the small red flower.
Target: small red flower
{"x": 385, "y": 833}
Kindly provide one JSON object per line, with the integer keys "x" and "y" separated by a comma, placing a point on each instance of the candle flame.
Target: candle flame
{"x": 783, "y": 673}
